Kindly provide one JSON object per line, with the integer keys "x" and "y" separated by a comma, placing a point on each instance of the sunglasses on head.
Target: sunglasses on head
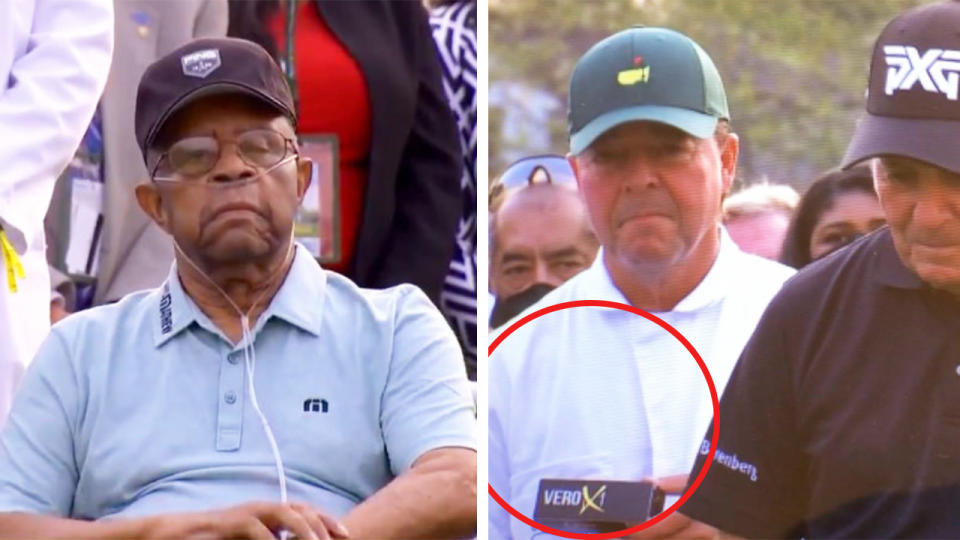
{"x": 543, "y": 169}
{"x": 548, "y": 168}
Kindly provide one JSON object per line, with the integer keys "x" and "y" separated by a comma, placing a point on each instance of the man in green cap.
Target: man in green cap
{"x": 599, "y": 393}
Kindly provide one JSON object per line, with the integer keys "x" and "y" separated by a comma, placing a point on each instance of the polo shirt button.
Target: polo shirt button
{"x": 230, "y": 397}
{"x": 958, "y": 369}
{"x": 234, "y": 357}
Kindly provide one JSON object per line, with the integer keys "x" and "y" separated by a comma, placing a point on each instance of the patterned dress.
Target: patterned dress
{"x": 455, "y": 31}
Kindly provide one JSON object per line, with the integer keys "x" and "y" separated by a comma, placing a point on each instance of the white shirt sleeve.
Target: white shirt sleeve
{"x": 50, "y": 83}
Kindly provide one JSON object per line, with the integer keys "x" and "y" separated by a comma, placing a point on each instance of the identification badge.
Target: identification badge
{"x": 317, "y": 224}
{"x": 86, "y": 220}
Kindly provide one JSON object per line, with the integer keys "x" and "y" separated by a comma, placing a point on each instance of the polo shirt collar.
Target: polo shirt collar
{"x": 598, "y": 283}
{"x": 712, "y": 288}
{"x": 172, "y": 310}
{"x": 716, "y": 284}
{"x": 299, "y": 300}
{"x": 888, "y": 268}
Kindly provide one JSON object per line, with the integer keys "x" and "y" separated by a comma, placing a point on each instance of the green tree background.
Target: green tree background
{"x": 795, "y": 71}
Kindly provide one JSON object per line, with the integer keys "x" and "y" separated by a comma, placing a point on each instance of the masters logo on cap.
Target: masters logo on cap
{"x": 653, "y": 74}
{"x": 636, "y": 74}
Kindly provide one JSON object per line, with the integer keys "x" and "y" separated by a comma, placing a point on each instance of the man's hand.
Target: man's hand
{"x": 253, "y": 521}
{"x": 676, "y": 525}
{"x": 58, "y": 310}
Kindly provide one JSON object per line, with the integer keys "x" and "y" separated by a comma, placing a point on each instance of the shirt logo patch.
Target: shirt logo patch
{"x": 166, "y": 311}
{"x": 315, "y": 405}
{"x": 730, "y": 461}
{"x": 936, "y": 70}
{"x": 201, "y": 63}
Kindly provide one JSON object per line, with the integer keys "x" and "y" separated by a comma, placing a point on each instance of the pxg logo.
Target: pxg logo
{"x": 936, "y": 71}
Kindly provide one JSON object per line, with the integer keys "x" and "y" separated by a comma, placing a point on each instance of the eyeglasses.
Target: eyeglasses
{"x": 546, "y": 168}
{"x": 189, "y": 159}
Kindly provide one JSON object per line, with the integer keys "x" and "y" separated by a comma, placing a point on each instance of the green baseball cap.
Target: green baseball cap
{"x": 643, "y": 73}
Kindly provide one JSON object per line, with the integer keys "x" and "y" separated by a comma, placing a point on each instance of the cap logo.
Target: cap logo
{"x": 201, "y": 63}
{"x": 632, "y": 76}
{"x": 936, "y": 70}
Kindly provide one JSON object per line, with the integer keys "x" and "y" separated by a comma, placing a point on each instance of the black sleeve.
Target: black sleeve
{"x": 756, "y": 485}
{"x": 423, "y": 232}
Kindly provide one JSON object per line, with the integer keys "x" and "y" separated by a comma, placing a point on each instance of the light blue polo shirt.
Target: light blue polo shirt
{"x": 141, "y": 407}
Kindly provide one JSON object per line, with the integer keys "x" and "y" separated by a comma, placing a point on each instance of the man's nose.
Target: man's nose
{"x": 544, "y": 275}
{"x": 231, "y": 167}
{"x": 640, "y": 172}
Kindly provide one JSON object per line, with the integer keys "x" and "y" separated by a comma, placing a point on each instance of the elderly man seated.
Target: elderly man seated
{"x": 252, "y": 394}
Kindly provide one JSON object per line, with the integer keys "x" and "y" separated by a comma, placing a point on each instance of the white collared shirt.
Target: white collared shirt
{"x": 600, "y": 393}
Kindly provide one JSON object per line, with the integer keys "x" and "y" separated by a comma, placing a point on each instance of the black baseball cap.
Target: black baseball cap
{"x": 913, "y": 95}
{"x": 204, "y": 67}
{"x": 644, "y": 73}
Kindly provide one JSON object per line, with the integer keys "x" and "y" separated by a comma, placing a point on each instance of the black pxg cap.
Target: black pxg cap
{"x": 913, "y": 94}
{"x": 204, "y": 67}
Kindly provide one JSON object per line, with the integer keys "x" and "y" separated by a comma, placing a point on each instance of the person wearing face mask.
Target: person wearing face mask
{"x": 836, "y": 209}
{"x": 253, "y": 393}
{"x": 540, "y": 236}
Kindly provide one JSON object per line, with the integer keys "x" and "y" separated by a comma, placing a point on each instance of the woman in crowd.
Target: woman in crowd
{"x": 836, "y": 209}
{"x": 369, "y": 73}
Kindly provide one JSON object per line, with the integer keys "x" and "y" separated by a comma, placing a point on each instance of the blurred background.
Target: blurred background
{"x": 795, "y": 72}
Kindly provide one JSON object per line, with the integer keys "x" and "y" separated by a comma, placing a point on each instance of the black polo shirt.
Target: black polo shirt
{"x": 842, "y": 417}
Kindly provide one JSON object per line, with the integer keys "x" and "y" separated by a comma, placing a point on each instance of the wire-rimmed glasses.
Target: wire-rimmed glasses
{"x": 191, "y": 158}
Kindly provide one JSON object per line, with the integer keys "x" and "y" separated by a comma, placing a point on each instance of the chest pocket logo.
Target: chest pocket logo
{"x": 315, "y": 405}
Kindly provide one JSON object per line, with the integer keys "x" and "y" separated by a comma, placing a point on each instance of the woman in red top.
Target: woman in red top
{"x": 368, "y": 72}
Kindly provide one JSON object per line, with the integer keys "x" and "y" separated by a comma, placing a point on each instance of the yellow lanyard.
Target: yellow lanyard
{"x": 11, "y": 261}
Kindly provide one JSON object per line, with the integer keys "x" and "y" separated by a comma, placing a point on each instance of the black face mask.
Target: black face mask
{"x": 511, "y": 306}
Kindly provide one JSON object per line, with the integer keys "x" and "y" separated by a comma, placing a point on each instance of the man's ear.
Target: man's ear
{"x": 148, "y": 197}
{"x": 729, "y": 153}
{"x": 304, "y": 176}
{"x": 575, "y": 165}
